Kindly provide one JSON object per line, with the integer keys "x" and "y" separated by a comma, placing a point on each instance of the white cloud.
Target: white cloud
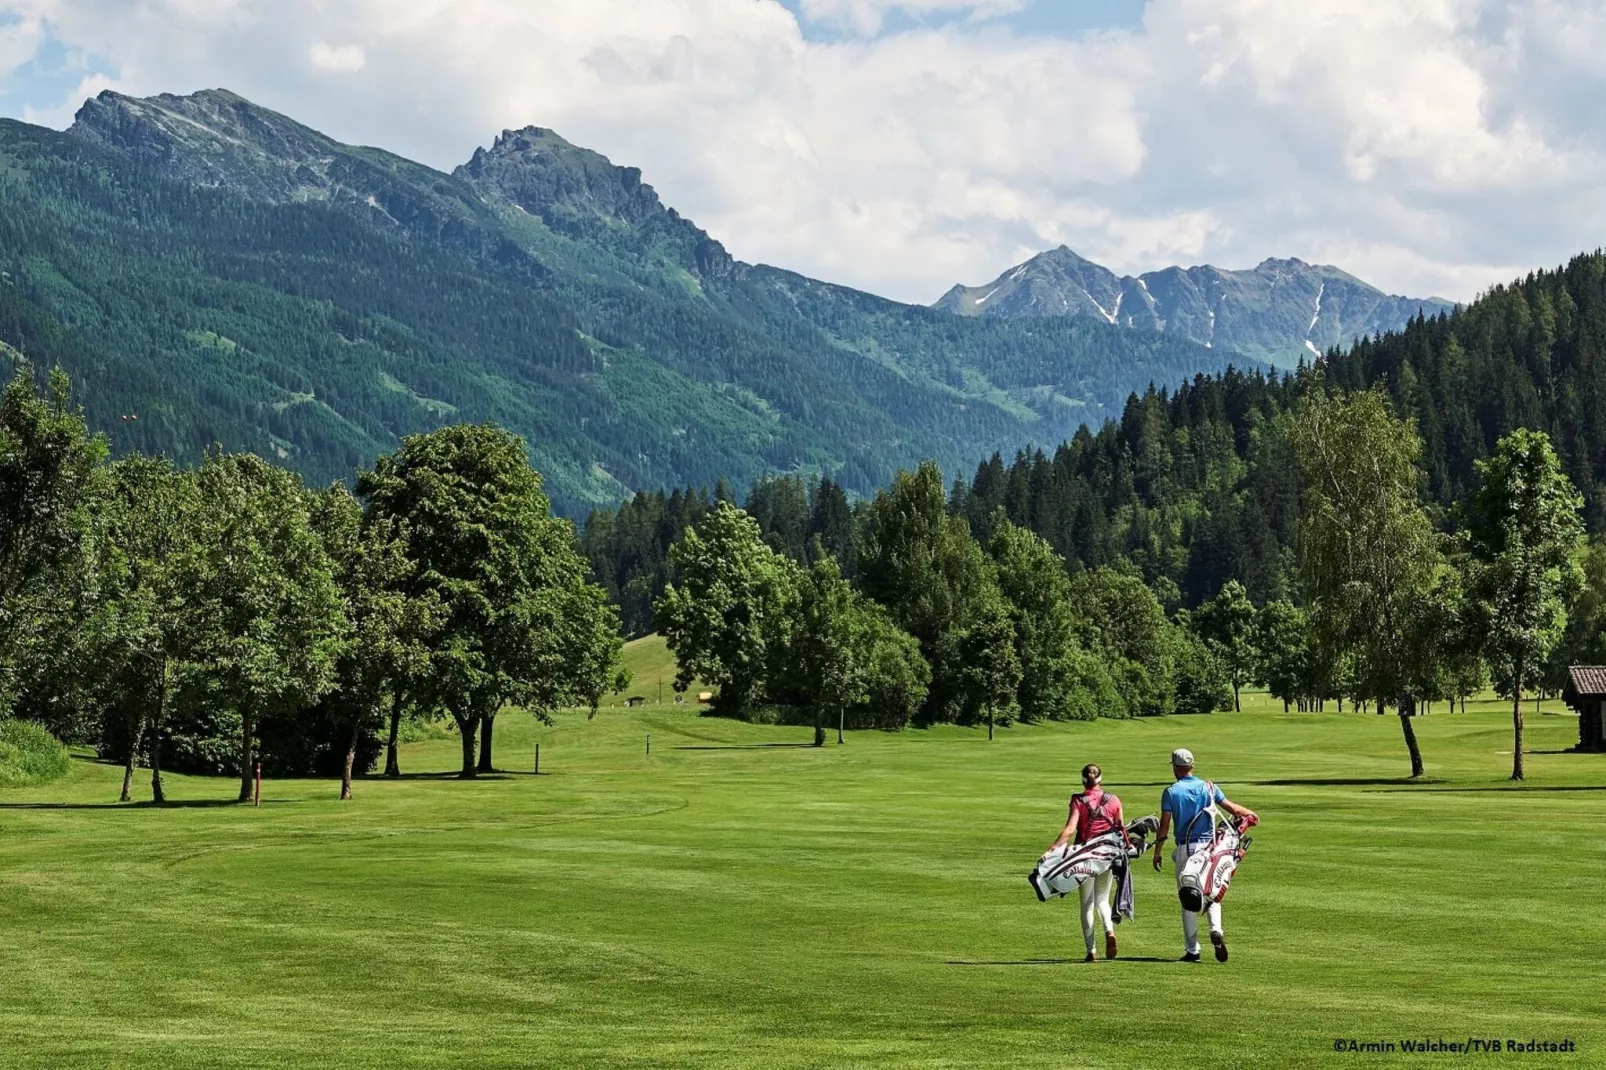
{"x": 346, "y": 59}
{"x": 1432, "y": 146}
{"x": 19, "y": 41}
{"x": 867, "y": 16}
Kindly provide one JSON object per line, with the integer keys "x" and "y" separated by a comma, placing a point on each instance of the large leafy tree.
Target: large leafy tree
{"x": 848, "y": 655}
{"x": 938, "y": 584}
{"x": 1121, "y": 621}
{"x": 391, "y": 621}
{"x": 1371, "y": 557}
{"x": 734, "y": 610}
{"x": 1059, "y": 680}
{"x": 51, "y": 473}
{"x": 519, "y": 614}
{"x": 259, "y": 593}
{"x": 1285, "y": 654}
{"x": 148, "y": 632}
{"x": 1524, "y": 532}
{"x": 1227, "y": 624}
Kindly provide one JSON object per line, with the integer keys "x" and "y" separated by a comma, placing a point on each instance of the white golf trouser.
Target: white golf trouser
{"x": 1190, "y": 919}
{"x": 1095, "y": 894}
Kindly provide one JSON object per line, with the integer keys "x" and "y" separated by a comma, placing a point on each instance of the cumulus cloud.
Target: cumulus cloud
{"x": 1431, "y": 146}
{"x": 867, "y": 16}
{"x": 346, "y": 59}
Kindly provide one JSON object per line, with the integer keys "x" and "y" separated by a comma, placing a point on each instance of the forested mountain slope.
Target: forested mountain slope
{"x": 1281, "y": 311}
{"x": 214, "y": 271}
{"x": 1198, "y": 486}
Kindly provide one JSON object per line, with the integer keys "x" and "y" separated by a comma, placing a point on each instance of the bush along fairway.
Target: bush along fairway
{"x": 739, "y": 898}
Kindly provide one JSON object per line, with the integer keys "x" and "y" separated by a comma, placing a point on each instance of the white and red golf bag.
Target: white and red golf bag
{"x": 1208, "y": 872}
{"x": 1062, "y": 871}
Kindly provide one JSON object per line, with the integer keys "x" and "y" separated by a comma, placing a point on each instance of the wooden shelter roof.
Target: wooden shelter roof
{"x": 1586, "y": 681}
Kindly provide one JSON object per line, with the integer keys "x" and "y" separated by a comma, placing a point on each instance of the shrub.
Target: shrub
{"x": 29, "y": 756}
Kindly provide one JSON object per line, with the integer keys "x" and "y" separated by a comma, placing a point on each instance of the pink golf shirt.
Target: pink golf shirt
{"x": 1101, "y": 813}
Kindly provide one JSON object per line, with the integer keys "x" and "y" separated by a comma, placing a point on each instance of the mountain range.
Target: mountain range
{"x": 1279, "y": 311}
{"x": 210, "y": 271}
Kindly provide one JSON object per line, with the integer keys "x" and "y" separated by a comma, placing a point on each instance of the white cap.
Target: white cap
{"x": 1182, "y": 756}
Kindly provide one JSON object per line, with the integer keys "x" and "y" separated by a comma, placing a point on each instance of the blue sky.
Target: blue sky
{"x": 1431, "y": 147}
{"x": 1064, "y": 18}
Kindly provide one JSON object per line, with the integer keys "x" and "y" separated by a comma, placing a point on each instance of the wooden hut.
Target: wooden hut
{"x": 1585, "y": 692}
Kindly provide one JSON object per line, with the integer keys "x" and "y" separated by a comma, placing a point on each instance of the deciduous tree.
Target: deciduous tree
{"x": 1524, "y": 533}
{"x": 1370, "y": 554}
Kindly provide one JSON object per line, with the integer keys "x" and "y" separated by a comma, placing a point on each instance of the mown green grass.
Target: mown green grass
{"x": 733, "y": 900}
{"x": 652, "y": 674}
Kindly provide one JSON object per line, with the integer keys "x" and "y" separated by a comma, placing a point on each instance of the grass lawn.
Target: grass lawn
{"x": 738, "y": 900}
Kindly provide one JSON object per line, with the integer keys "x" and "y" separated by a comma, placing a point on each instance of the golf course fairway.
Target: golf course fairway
{"x": 735, "y": 899}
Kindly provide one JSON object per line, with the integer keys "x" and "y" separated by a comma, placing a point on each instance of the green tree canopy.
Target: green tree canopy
{"x": 1227, "y": 624}
{"x": 938, "y": 585}
{"x": 1370, "y": 554}
{"x": 733, "y": 611}
{"x": 1524, "y": 532}
{"x": 512, "y": 586}
{"x": 260, "y": 595}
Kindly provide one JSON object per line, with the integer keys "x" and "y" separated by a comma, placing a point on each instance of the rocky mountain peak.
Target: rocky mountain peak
{"x": 212, "y": 138}
{"x": 1281, "y": 311}
{"x": 582, "y": 193}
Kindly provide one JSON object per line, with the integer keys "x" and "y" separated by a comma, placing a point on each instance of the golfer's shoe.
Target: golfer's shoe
{"x": 1109, "y": 945}
{"x": 1192, "y": 956}
{"x": 1219, "y": 942}
{"x": 1091, "y": 957}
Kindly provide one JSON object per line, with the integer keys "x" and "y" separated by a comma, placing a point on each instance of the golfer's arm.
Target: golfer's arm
{"x": 1165, "y": 830}
{"x": 1234, "y": 809}
{"x": 1068, "y": 831}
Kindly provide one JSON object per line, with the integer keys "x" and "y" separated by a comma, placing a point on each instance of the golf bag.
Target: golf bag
{"x": 1062, "y": 871}
{"x": 1208, "y": 871}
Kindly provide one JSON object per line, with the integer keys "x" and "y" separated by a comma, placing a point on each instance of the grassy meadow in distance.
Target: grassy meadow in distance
{"x": 737, "y": 899}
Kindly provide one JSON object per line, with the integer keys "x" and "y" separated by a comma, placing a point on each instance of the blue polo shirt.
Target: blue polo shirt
{"x": 1186, "y": 801}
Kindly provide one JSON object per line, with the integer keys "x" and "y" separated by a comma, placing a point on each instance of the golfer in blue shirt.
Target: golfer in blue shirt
{"x": 1185, "y": 806}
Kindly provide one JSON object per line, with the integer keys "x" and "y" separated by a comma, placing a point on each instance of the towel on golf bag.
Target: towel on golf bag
{"x": 1062, "y": 871}
{"x": 1208, "y": 871}
{"x": 1124, "y": 907}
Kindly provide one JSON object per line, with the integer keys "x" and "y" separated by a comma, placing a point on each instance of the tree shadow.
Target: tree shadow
{"x": 748, "y": 746}
{"x": 1051, "y": 962}
{"x": 500, "y": 774}
{"x": 1340, "y": 782}
{"x": 1515, "y": 788}
{"x": 144, "y": 804}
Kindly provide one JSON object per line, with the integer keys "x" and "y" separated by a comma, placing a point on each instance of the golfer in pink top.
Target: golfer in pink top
{"x": 1094, "y": 813}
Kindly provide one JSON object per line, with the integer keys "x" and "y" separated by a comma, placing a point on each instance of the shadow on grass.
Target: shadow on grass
{"x": 1343, "y": 781}
{"x": 144, "y": 804}
{"x": 748, "y": 746}
{"x": 500, "y": 774}
{"x": 1514, "y": 788}
{"x": 1049, "y": 962}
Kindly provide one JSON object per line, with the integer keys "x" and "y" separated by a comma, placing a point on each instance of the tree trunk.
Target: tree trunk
{"x": 132, "y": 761}
{"x": 245, "y": 757}
{"x": 466, "y": 726}
{"x": 819, "y": 726}
{"x": 1410, "y": 737}
{"x": 989, "y": 722}
{"x": 486, "y": 724}
{"x": 392, "y": 764}
{"x": 841, "y": 717}
{"x": 1236, "y": 706}
{"x": 351, "y": 759}
{"x": 157, "y": 795}
{"x": 1516, "y": 725}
